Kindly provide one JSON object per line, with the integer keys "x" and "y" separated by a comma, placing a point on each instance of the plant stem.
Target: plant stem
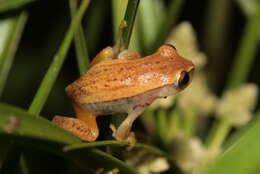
{"x": 54, "y": 69}
{"x": 166, "y": 26}
{"x": 118, "y": 14}
{"x": 10, "y": 46}
{"x": 162, "y": 126}
{"x": 246, "y": 51}
{"x": 13, "y": 4}
{"x": 129, "y": 19}
{"x": 218, "y": 134}
{"x": 80, "y": 42}
{"x": 23, "y": 164}
{"x": 238, "y": 75}
{"x": 189, "y": 122}
{"x": 174, "y": 125}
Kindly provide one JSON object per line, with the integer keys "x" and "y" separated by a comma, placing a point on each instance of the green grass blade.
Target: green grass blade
{"x": 80, "y": 42}
{"x": 9, "y": 42}
{"x": 150, "y": 17}
{"x": 99, "y": 159}
{"x": 6, "y": 5}
{"x": 239, "y": 72}
{"x": 172, "y": 15}
{"x": 111, "y": 143}
{"x": 161, "y": 125}
{"x": 243, "y": 154}
{"x": 28, "y": 130}
{"x": 118, "y": 9}
{"x": 246, "y": 51}
{"x": 129, "y": 18}
{"x": 54, "y": 69}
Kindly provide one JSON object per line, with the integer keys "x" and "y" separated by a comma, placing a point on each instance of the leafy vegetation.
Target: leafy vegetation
{"x": 208, "y": 128}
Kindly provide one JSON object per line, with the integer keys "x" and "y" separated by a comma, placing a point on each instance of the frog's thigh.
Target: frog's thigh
{"x": 126, "y": 54}
{"x": 84, "y": 126}
{"x": 123, "y": 131}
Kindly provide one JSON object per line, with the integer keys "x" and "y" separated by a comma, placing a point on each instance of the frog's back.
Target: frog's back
{"x": 119, "y": 79}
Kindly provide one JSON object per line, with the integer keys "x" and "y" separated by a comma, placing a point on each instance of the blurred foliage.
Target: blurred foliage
{"x": 211, "y": 127}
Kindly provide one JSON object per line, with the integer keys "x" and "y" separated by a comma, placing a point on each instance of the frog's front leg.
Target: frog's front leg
{"x": 84, "y": 126}
{"x": 123, "y": 131}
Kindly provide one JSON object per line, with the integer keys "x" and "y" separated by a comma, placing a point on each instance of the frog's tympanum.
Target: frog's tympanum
{"x": 123, "y": 83}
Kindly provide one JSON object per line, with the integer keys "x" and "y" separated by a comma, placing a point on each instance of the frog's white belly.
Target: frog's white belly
{"x": 127, "y": 105}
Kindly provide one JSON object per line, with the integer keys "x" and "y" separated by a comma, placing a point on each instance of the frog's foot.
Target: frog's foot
{"x": 128, "y": 55}
{"x": 123, "y": 132}
{"x": 82, "y": 129}
{"x": 104, "y": 55}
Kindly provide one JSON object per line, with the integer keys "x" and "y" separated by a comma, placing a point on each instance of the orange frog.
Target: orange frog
{"x": 123, "y": 83}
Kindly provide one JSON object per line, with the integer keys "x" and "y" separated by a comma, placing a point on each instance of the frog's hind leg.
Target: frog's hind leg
{"x": 84, "y": 126}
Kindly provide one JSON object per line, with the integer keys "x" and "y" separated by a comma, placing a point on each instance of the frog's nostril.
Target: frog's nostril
{"x": 184, "y": 79}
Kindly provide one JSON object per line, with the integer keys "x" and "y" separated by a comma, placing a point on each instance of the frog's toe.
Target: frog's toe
{"x": 77, "y": 127}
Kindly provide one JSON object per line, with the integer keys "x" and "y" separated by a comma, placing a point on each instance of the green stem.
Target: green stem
{"x": 216, "y": 36}
{"x": 13, "y": 4}
{"x": 162, "y": 125}
{"x": 174, "y": 125}
{"x": 23, "y": 164}
{"x": 238, "y": 75}
{"x": 80, "y": 42}
{"x": 218, "y": 134}
{"x": 189, "y": 122}
{"x": 129, "y": 19}
{"x": 10, "y": 46}
{"x": 246, "y": 51}
{"x": 171, "y": 17}
{"x": 118, "y": 14}
{"x": 54, "y": 69}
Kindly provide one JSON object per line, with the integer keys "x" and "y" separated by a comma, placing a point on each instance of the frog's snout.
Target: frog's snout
{"x": 185, "y": 78}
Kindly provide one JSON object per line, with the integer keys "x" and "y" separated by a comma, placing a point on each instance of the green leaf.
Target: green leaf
{"x": 17, "y": 122}
{"x": 28, "y": 130}
{"x": 172, "y": 15}
{"x": 58, "y": 59}
{"x": 6, "y": 5}
{"x": 112, "y": 143}
{"x": 80, "y": 42}
{"x": 129, "y": 18}
{"x": 150, "y": 17}
{"x": 248, "y": 6}
{"x": 242, "y": 156}
{"x": 10, "y": 33}
{"x": 246, "y": 51}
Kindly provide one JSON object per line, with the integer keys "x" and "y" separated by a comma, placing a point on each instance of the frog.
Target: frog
{"x": 123, "y": 82}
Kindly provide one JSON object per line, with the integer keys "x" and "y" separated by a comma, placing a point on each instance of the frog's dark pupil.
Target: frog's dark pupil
{"x": 184, "y": 79}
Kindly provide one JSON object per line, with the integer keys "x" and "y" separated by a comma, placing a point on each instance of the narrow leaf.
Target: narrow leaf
{"x": 80, "y": 42}
{"x": 28, "y": 130}
{"x": 243, "y": 154}
{"x": 10, "y": 33}
{"x": 6, "y": 5}
{"x": 55, "y": 67}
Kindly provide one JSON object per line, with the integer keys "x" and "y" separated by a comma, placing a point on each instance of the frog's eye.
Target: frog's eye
{"x": 170, "y": 45}
{"x": 184, "y": 79}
